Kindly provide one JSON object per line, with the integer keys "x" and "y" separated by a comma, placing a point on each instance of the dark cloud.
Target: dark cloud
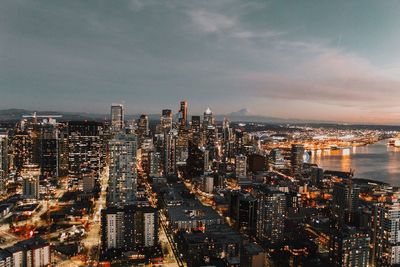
{"x": 83, "y": 55}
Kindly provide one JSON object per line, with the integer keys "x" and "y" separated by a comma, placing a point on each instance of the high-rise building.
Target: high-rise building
{"x": 129, "y": 228}
{"x": 33, "y": 252}
{"x": 349, "y": 247}
{"x": 117, "y": 117}
{"x": 88, "y": 182}
{"x": 46, "y": 146}
{"x": 84, "y": 147}
{"x": 243, "y": 211}
{"x": 30, "y": 181}
{"x": 170, "y": 157}
{"x": 22, "y": 149}
{"x": 241, "y": 166}
{"x": 208, "y": 184}
{"x": 277, "y": 159}
{"x": 63, "y": 151}
{"x": 345, "y": 200}
{"x": 386, "y": 237}
{"x": 317, "y": 174}
{"x": 122, "y": 172}
{"x": 208, "y": 118}
{"x": 296, "y": 158}
{"x": 166, "y": 120}
{"x": 143, "y": 129}
{"x": 4, "y": 163}
{"x": 271, "y": 214}
{"x": 195, "y": 130}
{"x": 227, "y": 144}
{"x": 183, "y": 115}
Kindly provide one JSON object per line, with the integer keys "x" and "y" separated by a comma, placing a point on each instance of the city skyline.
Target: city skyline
{"x": 333, "y": 61}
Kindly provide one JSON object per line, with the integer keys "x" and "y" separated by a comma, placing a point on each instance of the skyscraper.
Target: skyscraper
{"x": 195, "y": 130}
{"x": 84, "y": 147}
{"x": 4, "y": 164}
{"x": 143, "y": 126}
{"x": 22, "y": 149}
{"x": 386, "y": 229}
{"x": 349, "y": 247}
{"x": 271, "y": 214}
{"x": 46, "y": 148}
{"x": 166, "y": 119}
{"x": 208, "y": 118}
{"x": 170, "y": 157}
{"x": 345, "y": 200}
{"x": 122, "y": 172}
{"x": 183, "y": 114}
{"x": 117, "y": 117}
{"x": 296, "y": 158}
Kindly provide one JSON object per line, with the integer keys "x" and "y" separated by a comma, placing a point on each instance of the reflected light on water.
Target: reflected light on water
{"x": 376, "y": 161}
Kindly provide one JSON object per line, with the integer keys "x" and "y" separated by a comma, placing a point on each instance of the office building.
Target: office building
{"x": 143, "y": 129}
{"x": 243, "y": 211}
{"x": 183, "y": 115}
{"x": 208, "y": 184}
{"x": 345, "y": 200}
{"x": 195, "y": 130}
{"x": 46, "y": 146}
{"x": 84, "y": 147}
{"x": 296, "y": 158}
{"x": 240, "y": 166}
{"x": 4, "y": 162}
{"x": 166, "y": 120}
{"x": 22, "y": 149}
{"x": 30, "y": 181}
{"x": 277, "y": 159}
{"x": 117, "y": 117}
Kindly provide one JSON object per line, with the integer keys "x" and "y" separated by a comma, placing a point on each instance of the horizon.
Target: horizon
{"x": 233, "y": 117}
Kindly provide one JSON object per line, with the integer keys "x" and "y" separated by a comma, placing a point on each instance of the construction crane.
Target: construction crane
{"x": 34, "y": 116}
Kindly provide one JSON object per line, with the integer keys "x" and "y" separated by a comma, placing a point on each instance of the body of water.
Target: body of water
{"x": 376, "y": 161}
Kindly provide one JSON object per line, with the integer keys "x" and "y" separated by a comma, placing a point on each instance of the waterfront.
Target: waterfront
{"x": 376, "y": 161}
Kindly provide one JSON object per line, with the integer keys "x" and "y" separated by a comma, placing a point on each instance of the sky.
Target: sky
{"x": 315, "y": 59}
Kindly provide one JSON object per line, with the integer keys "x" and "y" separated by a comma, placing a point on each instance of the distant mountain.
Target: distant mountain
{"x": 242, "y": 115}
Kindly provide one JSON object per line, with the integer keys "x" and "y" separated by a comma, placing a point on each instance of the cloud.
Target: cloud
{"x": 210, "y": 22}
{"x": 332, "y": 77}
{"x": 252, "y": 34}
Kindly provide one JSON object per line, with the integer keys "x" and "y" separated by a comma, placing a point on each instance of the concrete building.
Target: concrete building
{"x": 240, "y": 166}
{"x": 30, "y": 181}
{"x": 386, "y": 229}
{"x": 271, "y": 214}
{"x": 128, "y": 228}
{"x": 349, "y": 247}
{"x": 122, "y": 172}
{"x": 33, "y": 252}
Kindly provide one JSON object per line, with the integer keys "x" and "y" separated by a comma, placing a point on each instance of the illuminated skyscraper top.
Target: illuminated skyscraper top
{"x": 117, "y": 117}
{"x": 183, "y": 114}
